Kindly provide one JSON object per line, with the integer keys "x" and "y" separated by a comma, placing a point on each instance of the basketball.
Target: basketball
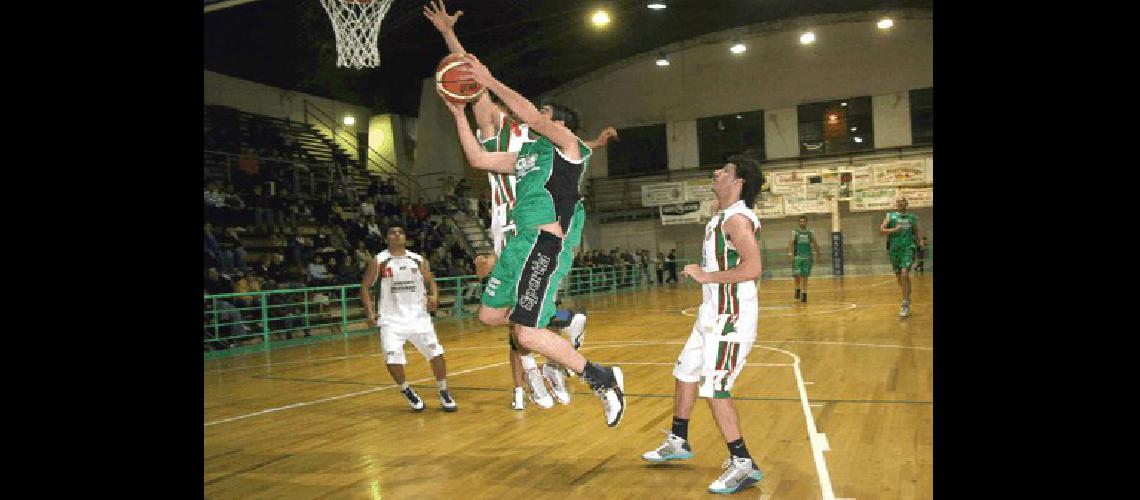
{"x": 451, "y": 84}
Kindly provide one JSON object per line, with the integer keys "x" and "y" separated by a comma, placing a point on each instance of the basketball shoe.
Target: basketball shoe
{"x": 674, "y": 448}
{"x": 413, "y": 399}
{"x": 446, "y": 401}
{"x": 537, "y": 386}
{"x": 611, "y": 392}
{"x": 739, "y": 473}
{"x": 557, "y": 377}
{"x": 577, "y": 329}
{"x": 905, "y": 311}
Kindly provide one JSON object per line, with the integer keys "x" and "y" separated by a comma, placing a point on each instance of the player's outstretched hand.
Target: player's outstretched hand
{"x": 484, "y": 264}
{"x": 477, "y": 70}
{"x": 695, "y": 272}
{"x": 436, "y": 12}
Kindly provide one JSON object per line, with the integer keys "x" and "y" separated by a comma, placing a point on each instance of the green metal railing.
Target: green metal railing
{"x": 244, "y": 322}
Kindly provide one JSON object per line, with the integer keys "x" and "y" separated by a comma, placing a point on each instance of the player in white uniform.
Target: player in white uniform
{"x": 401, "y": 312}
{"x": 499, "y": 131}
{"x": 726, "y": 324}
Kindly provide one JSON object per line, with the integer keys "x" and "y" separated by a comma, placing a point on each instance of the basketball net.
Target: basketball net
{"x": 357, "y": 27}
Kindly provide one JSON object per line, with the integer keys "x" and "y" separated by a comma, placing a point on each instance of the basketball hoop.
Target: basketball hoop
{"x": 357, "y": 27}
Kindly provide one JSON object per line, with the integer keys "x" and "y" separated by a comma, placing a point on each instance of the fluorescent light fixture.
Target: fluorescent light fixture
{"x": 661, "y": 60}
{"x": 656, "y": 6}
{"x": 738, "y": 48}
{"x": 853, "y": 128}
{"x": 885, "y": 23}
{"x": 858, "y": 139}
{"x": 600, "y": 18}
{"x": 844, "y": 103}
{"x": 807, "y": 37}
{"x": 349, "y": 120}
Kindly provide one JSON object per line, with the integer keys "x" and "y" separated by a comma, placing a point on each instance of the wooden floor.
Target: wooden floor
{"x": 324, "y": 420}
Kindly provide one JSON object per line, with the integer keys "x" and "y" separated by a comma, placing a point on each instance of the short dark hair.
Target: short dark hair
{"x": 748, "y": 168}
{"x": 563, "y": 113}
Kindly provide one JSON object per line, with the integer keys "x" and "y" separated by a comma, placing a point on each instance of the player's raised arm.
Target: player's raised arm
{"x": 486, "y": 113}
{"x": 740, "y": 231}
{"x": 495, "y": 161}
{"x": 603, "y": 138}
{"x": 561, "y": 136}
{"x": 366, "y": 285}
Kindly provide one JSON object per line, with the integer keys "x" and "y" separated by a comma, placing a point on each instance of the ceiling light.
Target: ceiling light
{"x": 844, "y": 103}
{"x": 656, "y": 6}
{"x": 853, "y": 128}
{"x": 738, "y": 117}
{"x": 858, "y": 139}
{"x": 807, "y": 37}
{"x": 885, "y": 23}
{"x": 600, "y": 18}
{"x": 349, "y": 120}
{"x": 661, "y": 60}
{"x": 738, "y": 48}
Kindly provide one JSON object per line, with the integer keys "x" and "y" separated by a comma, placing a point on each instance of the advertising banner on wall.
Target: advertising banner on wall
{"x": 667, "y": 193}
{"x": 787, "y": 181}
{"x": 825, "y": 183}
{"x": 769, "y": 207}
{"x": 918, "y": 197}
{"x": 699, "y": 190}
{"x": 796, "y": 205}
{"x": 900, "y": 173}
{"x": 861, "y": 177}
{"x": 681, "y": 213}
{"x": 882, "y": 198}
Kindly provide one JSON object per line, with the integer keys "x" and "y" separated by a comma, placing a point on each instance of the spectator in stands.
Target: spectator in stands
{"x": 339, "y": 242}
{"x": 248, "y": 171}
{"x": 367, "y": 208}
{"x": 373, "y": 189}
{"x": 318, "y": 273}
{"x": 643, "y": 263}
{"x": 214, "y": 202}
{"x": 671, "y": 265}
{"x": 227, "y": 315}
{"x": 262, "y": 211}
{"x": 406, "y": 210}
{"x": 346, "y": 271}
{"x": 363, "y": 257}
{"x": 230, "y": 243}
{"x": 285, "y": 209}
{"x": 211, "y": 253}
{"x": 375, "y": 238}
{"x": 659, "y": 265}
{"x": 420, "y": 210}
{"x": 246, "y": 282}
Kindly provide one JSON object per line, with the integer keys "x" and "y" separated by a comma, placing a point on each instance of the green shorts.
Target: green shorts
{"x": 801, "y": 266}
{"x": 528, "y": 273}
{"x": 902, "y": 258}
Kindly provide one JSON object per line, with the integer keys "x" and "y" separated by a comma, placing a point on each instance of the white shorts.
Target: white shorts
{"x": 392, "y": 342}
{"x": 714, "y": 357}
{"x": 499, "y": 227}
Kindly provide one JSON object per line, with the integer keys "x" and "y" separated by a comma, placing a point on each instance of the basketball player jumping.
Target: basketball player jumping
{"x": 901, "y": 228}
{"x": 403, "y": 314}
{"x": 499, "y": 131}
{"x": 726, "y": 324}
{"x": 802, "y": 249}
{"x": 548, "y": 216}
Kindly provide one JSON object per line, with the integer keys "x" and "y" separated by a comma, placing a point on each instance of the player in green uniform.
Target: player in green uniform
{"x": 801, "y": 250}
{"x": 901, "y": 228}
{"x": 549, "y": 217}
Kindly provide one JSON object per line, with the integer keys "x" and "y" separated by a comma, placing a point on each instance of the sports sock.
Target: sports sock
{"x": 737, "y": 449}
{"x": 681, "y": 428}
{"x": 404, "y": 386}
{"x": 442, "y": 384}
{"x": 596, "y": 374}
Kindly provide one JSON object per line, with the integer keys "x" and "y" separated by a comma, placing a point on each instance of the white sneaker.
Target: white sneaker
{"x": 674, "y": 448}
{"x": 557, "y": 377}
{"x": 577, "y": 330}
{"x": 517, "y": 402}
{"x": 613, "y": 398}
{"x": 414, "y": 399}
{"x": 538, "y": 392}
{"x": 739, "y": 473}
{"x": 446, "y": 401}
{"x": 905, "y": 311}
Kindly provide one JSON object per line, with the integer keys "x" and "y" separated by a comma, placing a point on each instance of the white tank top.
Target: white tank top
{"x": 402, "y": 301}
{"x": 720, "y": 254}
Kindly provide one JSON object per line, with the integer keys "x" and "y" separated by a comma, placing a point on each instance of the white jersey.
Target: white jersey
{"x": 510, "y": 137}
{"x": 720, "y": 254}
{"x": 402, "y": 300}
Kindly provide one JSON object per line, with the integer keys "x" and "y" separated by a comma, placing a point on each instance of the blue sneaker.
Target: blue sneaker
{"x": 739, "y": 473}
{"x": 674, "y": 448}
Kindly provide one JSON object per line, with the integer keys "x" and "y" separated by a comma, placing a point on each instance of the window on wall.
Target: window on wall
{"x": 922, "y": 116}
{"x": 719, "y": 137}
{"x": 839, "y": 126}
{"x": 638, "y": 150}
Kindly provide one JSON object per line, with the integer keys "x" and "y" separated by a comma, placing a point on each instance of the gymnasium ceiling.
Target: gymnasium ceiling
{"x": 532, "y": 45}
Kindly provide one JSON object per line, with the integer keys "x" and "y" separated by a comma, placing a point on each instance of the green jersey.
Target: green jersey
{"x": 903, "y": 237}
{"x": 547, "y": 189}
{"x": 803, "y": 242}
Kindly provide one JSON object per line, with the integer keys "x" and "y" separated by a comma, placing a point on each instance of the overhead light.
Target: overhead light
{"x": 738, "y": 117}
{"x": 885, "y": 23}
{"x": 600, "y": 18}
{"x": 807, "y": 37}
{"x": 853, "y": 128}
{"x": 661, "y": 60}
{"x": 656, "y": 6}
{"x": 738, "y": 48}
{"x": 349, "y": 120}
{"x": 844, "y": 103}
{"x": 858, "y": 139}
